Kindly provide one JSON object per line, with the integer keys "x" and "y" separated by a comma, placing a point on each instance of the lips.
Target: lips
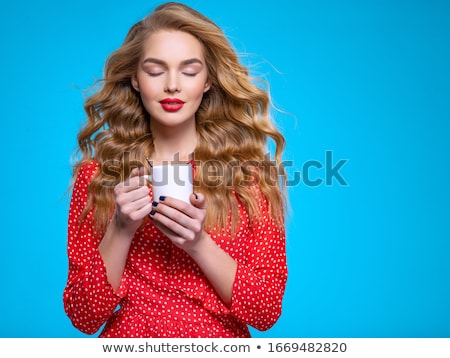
{"x": 171, "y": 104}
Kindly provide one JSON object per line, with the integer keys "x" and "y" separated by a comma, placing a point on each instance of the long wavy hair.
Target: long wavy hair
{"x": 233, "y": 126}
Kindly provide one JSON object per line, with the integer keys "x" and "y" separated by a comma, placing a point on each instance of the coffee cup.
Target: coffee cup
{"x": 174, "y": 180}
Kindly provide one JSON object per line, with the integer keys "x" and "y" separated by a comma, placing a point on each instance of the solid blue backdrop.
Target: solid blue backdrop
{"x": 365, "y": 87}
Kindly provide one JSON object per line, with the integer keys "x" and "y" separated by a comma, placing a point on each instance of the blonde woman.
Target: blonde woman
{"x": 167, "y": 268}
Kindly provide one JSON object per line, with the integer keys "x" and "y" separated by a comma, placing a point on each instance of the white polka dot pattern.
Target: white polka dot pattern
{"x": 163, "y": 293}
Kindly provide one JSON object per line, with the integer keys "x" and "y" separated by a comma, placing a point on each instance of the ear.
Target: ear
{"x": 207, "y": 86}
{"x": 135, "y": 83}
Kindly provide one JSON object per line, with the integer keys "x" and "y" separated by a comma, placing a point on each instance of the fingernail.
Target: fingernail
{"x": 153, "y": 212}
{"x": 155, "y": 203}
{"x": 162, "y": 198}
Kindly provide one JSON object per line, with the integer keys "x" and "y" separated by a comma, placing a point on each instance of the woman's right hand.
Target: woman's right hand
{"x": 132, "y": 201}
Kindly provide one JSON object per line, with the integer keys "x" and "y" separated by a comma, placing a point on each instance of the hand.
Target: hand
{"x": 181, "y": 222}
{"x": 132, "y": 201}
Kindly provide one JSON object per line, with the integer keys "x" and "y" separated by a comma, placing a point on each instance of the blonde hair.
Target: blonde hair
{"x": 233, "y": 125}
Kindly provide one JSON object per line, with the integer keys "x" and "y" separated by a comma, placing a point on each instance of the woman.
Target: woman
{"x": 167, "y": 268}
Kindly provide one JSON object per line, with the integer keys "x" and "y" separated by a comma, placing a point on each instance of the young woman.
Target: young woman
{"x": 167, "y": 268}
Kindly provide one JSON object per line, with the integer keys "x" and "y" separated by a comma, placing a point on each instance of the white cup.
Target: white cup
{"x": 173, "y": 180}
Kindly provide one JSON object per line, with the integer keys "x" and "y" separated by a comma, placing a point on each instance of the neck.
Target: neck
{"x": 173, "y": 143}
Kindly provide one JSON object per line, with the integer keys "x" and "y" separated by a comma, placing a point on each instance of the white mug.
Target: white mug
{"x": 173, "y": 180}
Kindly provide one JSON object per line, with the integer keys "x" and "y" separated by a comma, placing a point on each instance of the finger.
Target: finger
{"x": 140, "y": 180}
{"x": 178, "y": 221}
{"x": 134, "y": 176}
{"x": 128, "y": 194}
{"x": 131, "y": 186}
{"x": 171, "y": 228}
{"x": 137, "y": 172}
{"x": 198, "y": 200}
{"x": 136, "y": 179}
{"x": 137, "y": 210}
{"x": 135, "y": 204}
{"x": 171, "y": 215}
{"x": 177, "y": 240}
{"x": 178, "y": 205}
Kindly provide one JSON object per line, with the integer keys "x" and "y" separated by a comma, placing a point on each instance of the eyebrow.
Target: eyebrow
{"x": 161, "y": 62}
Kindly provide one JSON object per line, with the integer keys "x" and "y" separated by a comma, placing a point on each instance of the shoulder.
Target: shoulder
{"x": 83, "y": 174}
{"x": 86, "y": 170}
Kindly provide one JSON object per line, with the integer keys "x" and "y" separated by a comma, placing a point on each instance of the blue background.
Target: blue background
{"x": 369, "y": 81}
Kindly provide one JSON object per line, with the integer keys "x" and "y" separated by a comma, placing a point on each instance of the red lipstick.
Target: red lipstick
{"x": 171, "y": 104}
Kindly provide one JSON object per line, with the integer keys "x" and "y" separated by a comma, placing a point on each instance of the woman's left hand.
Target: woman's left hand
{"x": 181, "y": 222}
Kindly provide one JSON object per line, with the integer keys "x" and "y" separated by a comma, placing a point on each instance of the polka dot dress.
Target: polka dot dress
{"x": 163, "y": 293}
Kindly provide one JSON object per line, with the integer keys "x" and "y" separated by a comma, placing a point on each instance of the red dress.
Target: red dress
{"x": 163, "y": 293}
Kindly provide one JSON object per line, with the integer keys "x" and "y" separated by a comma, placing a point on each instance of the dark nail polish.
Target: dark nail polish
{"x": 155, "y": 203}
{"x": 153, "y": 212}
{"x": 162, "y": 198}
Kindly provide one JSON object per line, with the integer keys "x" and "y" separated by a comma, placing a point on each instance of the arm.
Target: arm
{"x": 96, "y": 263}
{"x": 89, "y": 299}
{"x": 219, "y": 267}
{"x": 261, "y": 275}
{"x": 132, "y": 205}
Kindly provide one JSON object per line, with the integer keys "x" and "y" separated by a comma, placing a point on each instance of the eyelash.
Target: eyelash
{"x": 160, "y": 73}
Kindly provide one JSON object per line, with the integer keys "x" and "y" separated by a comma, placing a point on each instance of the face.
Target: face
{"x": 172, "y": 77}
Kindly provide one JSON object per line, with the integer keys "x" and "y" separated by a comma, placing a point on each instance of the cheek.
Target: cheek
{"x": 148, "y": 89}
{"x": 148, "y": 94}
{"x": 198, "y": 90}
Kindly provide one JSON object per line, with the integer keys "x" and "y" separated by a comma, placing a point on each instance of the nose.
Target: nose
{"x": 173, "y": 83}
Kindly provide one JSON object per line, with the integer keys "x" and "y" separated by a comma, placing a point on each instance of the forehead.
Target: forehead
{"x": 172, "y": 46}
